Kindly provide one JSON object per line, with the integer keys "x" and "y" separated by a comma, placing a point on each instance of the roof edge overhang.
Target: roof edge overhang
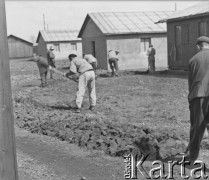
{"x": 183, "y": 17}
{"x": 88, "y": 17}
{"x": 39, "y": 34}
{"x": 80, "y": 40}
{"x": 83, "y": 26}
{"x": 134, "y": 33}
{"x": 30, "y": 43}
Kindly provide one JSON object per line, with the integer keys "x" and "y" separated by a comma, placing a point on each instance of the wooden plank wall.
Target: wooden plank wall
{"x": 188, "y": 49}
{"x": 19, "y": 49}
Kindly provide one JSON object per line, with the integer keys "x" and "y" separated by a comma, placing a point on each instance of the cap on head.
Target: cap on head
{"x": 72, "y": 55}
{"x": 202, "y": 39}
{"x": 51, "y": 48}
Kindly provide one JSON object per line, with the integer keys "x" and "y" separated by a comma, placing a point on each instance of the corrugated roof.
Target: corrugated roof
{"x": 128, "y": 22}
{"x": 198, "y": 9}
{"x": 59, "y": 35}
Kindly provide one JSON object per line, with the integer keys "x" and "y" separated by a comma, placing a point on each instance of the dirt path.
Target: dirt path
{"x": 42, "y": 157}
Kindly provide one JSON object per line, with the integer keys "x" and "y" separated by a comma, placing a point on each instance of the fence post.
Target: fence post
{"x": 8, "y": 162}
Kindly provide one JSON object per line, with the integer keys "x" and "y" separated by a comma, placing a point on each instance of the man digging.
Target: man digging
{"x": 113, "y": 61}
{"x": 86, "y": 79}
{"x": 43, "y": 67}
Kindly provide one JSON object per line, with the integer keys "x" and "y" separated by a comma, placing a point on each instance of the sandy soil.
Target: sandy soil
{"x": 147, "y": 112}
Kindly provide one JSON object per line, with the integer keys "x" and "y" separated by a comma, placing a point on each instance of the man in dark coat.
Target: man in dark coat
{"x": 51, "y": 60}
{"x": 43, "y": 67}
{"x": 198, "y": 79}
{"x": 151, "y": 59}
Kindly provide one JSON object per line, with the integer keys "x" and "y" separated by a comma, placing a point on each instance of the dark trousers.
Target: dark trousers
{"x": 113, "y": 62}
{"x": 199, "y": 118}
{"x": 151, "y": 61}
{"x": 43, "y": 78}
{"x": 52, "y": 64}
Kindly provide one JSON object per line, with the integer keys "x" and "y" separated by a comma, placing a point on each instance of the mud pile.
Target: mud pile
{"x": 94, "y": 131}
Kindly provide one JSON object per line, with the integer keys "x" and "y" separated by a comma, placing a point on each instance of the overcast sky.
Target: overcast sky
{"x": 25, "y": 18}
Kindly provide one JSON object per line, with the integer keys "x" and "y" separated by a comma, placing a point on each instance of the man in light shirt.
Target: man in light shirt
{"x": 113, "y": 61}
{"x": 86, "y": 79}
{"x": 92, "y": 60}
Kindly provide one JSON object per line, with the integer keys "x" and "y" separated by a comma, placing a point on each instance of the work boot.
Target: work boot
{"x": 77, "y": 110}
{"x": 91, "y": 108}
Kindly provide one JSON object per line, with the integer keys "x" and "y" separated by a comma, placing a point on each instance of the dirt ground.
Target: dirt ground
{"x": 135, "y": 110}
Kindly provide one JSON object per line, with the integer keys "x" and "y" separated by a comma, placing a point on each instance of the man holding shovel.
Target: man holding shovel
{"x": 86, "y": 79}
{"x": 43, "y": 67}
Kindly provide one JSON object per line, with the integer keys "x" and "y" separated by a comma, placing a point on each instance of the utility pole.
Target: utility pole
{"x": 175, "y": 6}
{"x": 8, "y": 161}
{"x": 44, "y": 22}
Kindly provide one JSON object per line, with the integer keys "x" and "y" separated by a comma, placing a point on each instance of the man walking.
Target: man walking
{"x": 51, "y": 60}
{"x": 86, "y": 79}
{"x": 198, "y": 97}
{"x": 113, "y": 61}
{"x": 151, "y": 59}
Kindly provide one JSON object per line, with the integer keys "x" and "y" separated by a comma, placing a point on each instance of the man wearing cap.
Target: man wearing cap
{"x": 113, "y": 61}
{"x": 51, "y": 60}
{"x": 86, "y": 79}
{"x": 151, "y": 59}
{"x": 198, "y": 81}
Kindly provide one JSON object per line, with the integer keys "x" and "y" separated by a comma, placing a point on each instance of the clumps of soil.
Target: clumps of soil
{"x": 95, "y": 131}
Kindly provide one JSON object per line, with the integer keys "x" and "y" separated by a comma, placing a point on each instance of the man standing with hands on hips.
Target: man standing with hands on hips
{"x": 151, "y": 59}
{"x": 198, "y": 79}
{"x": 86, "y": 79}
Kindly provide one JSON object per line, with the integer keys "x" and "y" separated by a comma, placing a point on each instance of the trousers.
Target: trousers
{"x": 86, "y": 80}
{"x": 43, "y": 76}
{"x": 113, "y": 62}
{"x": 199, "y": 119}
{"x": 151, "y": 61}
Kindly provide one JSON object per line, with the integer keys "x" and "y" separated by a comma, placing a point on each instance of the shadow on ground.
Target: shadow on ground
{"x": 164, "y": 73}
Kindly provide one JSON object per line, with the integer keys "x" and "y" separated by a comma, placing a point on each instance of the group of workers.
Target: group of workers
{"x": 198, "y": 80}
{"x": 84, "y": 67}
